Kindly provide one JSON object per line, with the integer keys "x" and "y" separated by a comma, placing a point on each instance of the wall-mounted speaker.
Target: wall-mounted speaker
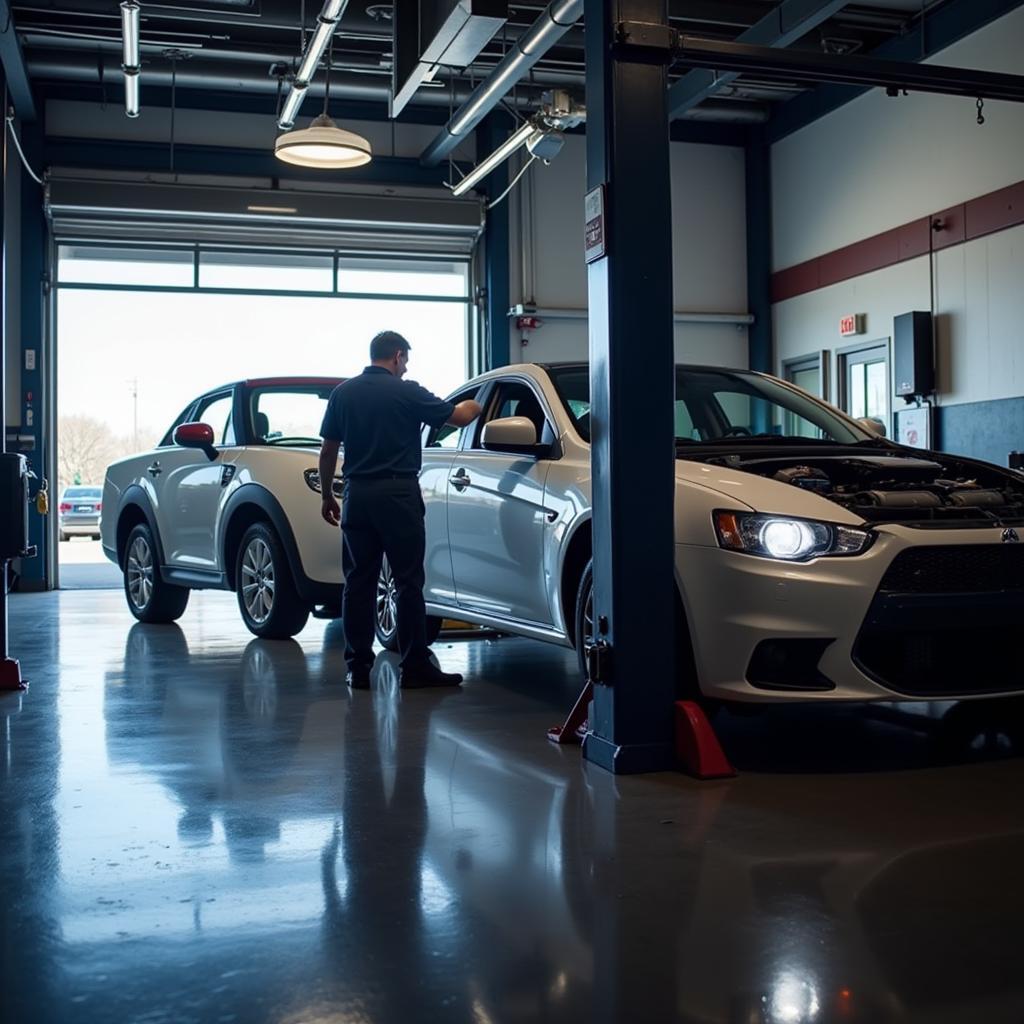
{"x": 913, "y": 354}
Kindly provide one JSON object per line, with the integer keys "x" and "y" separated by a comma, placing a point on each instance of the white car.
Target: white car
{"x": 230, "y": 500}
{"x": 814, "y": 559}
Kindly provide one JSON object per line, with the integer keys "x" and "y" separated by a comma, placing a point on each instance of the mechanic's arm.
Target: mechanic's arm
{"x": 465, "y": 412}
{"x": 329, "y": 508}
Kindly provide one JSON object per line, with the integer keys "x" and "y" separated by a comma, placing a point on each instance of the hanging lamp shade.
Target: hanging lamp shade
{"x": 322, "y": 144}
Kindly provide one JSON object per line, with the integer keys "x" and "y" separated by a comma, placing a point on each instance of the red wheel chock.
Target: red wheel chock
{"x": 697, "y": 746}
{"x": 575, "y": 726}
{"x": 10, "y": 676}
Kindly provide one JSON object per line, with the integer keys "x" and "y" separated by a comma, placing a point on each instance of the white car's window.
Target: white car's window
{"x": 717, "y": 405}
{"x": 446, "y": 435}
{"x": 217, "y": 413}
{"x": 283, "y": 415}
{"x": 515, "y": 398}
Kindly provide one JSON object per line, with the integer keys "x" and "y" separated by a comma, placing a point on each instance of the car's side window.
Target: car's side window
{"x": 446, "y": 435}
{"x": 216, "y": 411}
{"x": 516, "y": 398}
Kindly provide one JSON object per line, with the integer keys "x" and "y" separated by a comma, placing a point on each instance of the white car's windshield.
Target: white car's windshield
{"x": 723, "y": 405}
{"x": 283, "y": 416}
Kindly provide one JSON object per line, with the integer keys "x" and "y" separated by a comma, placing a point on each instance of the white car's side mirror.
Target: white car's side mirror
{"x": 873, "y": 425}
{"x": 511, "y": 434}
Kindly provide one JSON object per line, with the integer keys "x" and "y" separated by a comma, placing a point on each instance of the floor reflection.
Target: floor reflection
{"x": 197, "y": 826}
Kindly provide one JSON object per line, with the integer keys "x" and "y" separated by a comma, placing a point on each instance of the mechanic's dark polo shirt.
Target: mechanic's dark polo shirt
{"x": 377, "y": 417}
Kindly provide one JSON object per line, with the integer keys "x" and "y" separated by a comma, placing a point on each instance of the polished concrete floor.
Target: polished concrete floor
{"x": 197, "y": 826}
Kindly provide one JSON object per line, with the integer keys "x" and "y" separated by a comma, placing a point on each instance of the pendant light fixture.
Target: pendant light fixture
{"x": 323, "y": 143}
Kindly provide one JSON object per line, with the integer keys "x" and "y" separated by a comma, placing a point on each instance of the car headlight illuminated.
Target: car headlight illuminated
{"x": 788, "y": 540}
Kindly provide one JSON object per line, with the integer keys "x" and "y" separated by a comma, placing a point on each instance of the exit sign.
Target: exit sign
{"x": 852, "y": 324}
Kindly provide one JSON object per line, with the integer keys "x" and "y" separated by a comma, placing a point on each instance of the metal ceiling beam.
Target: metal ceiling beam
{"x": 952, "y": 22}
{"x": 870, "y": 72}
{"x": 14, "y": 66}
{"x": 785, "y": 25}
{"x": 556, "y": 19}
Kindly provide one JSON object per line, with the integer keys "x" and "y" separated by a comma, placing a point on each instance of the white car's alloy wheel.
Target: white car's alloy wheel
{"x": 139, "y": 569}
{"x": 258, "y": 580}
{"x": 387, "y": 601}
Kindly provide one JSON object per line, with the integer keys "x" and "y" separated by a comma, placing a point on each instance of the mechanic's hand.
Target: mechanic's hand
{"x": 330, "y": 510}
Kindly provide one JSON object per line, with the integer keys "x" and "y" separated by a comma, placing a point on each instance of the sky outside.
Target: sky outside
{"x": 179, "y": 345}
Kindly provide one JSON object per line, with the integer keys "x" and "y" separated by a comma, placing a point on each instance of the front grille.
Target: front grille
{"x": 961, "y": 569}
{"x": 943, "y": 661}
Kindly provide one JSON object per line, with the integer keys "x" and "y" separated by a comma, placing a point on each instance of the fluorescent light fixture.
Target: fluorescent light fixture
{"x": 499, "y": 156}
{"x": 131, "y": 92}
{"x": 315, "y": 51}
{"x": 272, "y": 209}
{"x": 323, "y": 144}
{"x": 290, "y": 110}
{"x": 130, "y": 33}
{"x": 130, "y": 56}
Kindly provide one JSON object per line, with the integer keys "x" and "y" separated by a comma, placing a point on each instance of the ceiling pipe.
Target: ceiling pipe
{"x": 206, "y": 76}
{"x": 556, "y": 19}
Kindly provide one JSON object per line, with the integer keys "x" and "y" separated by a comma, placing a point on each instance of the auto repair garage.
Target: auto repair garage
{"x": 739, "y": 728}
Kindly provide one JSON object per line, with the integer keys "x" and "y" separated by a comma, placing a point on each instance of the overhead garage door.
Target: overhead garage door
{"x": 364, "y": 223}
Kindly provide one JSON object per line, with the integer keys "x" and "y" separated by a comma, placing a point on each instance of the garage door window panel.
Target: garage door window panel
{"x": 269, "y": 271}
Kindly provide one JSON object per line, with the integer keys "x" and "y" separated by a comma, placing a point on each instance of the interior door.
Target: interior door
{"x": 497, "y": 517}
{"x": 191, "y": 487}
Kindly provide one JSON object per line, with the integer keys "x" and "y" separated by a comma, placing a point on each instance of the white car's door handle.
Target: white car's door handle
{"x": 460, "y": 481}
{"x": 154, "y": 470}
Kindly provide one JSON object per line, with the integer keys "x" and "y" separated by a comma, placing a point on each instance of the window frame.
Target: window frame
{"x": 847, "y": 358}
{"x": 473, "y": 443}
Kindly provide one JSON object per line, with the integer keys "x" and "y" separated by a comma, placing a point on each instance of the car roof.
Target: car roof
{"x": 696, "y": 367}
{"x": 276, "y": 382}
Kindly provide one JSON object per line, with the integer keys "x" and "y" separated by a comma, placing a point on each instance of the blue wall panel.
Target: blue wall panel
{"x": 983, "y": 430}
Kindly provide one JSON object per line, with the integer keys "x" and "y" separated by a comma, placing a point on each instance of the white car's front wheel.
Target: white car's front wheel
{"x": 267, "y": 598}
{"x": 386, "y": 619}
{"x": 150, "y": 597}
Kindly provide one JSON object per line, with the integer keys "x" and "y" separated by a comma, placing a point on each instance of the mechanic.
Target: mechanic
{"x": 377, "y": 417}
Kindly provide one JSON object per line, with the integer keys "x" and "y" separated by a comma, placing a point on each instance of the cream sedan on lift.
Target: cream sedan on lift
{"x": 814, "y": 559}
{"x": 229, "y": 500}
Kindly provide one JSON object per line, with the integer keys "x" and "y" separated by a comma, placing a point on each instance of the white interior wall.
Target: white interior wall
{"x": 880, "y": 162}
{"x": 709, "y": 252}
{"x": 978, "y": 307}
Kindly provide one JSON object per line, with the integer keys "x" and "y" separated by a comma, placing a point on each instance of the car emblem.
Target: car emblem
{"x": 1011, "y": 537}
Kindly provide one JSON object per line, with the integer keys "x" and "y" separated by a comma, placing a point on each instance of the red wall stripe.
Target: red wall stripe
{"x": 996, "y": 211}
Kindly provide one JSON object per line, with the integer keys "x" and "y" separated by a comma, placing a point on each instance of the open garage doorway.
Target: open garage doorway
{"x": 141, "y": 331}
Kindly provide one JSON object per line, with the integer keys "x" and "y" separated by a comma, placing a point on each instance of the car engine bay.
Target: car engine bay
{"x": 924, "y": 492}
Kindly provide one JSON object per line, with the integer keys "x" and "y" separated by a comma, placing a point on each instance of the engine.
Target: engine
{"x": 895, "y": 488}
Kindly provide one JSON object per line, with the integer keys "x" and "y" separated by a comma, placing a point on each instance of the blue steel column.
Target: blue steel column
{"x": 33, "y": 266}
{"x": 493, "y": 131}
{"x": 632, "y": 384}
{"x": 759, "y": 250}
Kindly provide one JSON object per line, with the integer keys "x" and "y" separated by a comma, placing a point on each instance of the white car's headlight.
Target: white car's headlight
{"x": 785, "y": 539}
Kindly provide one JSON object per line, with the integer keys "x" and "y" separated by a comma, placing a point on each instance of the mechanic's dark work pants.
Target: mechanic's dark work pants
{"x": 383, "y": 517}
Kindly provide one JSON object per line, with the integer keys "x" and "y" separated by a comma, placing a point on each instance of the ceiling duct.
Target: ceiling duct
{"x": 429, "y": 33}
{"x": 554, "y": 21}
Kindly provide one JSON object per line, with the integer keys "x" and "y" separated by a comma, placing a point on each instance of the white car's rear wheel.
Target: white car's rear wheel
{"x": 267, "y": 598}
{"x": 386, "y": 618}
{"x": 150, "y": 597}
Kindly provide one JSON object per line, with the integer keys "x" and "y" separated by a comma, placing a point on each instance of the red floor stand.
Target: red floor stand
{"x": 575, "y": 726}
{"x": 10, "y": 676}
{"x": 697, "y": 746}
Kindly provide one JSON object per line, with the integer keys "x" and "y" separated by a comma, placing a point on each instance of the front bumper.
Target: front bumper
{"x": 736, "y": 602}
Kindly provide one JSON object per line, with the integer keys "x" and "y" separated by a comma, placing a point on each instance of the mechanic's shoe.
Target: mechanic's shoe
{"x": 429, "y": 675}
{"x": 358, "y": 678}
